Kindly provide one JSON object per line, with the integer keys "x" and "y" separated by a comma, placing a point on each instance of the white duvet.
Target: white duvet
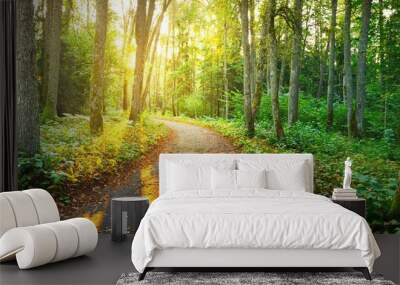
{"x": 250, "y": 219}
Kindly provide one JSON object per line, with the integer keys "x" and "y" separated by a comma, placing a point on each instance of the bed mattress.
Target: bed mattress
{"x": 250, "y": 219}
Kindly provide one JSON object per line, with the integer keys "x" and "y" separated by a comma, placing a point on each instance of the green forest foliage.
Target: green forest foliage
{"x": 374, "y": 176}
{"x": 194, "y": 68}
{"x": 71, "y": 156}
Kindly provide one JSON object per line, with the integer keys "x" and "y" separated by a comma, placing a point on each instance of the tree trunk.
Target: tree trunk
{"x": 321, "y": 77}
{"x": 362, "y": 66}
{"x": 331, "y": 68}
{"x": 253, "y": 56}
{"x": 129, "y": 27}
{"x": 293, "y": 112}
{"x": 244, "y": 10}
{"x": 53, "y": 48}
{"x": 347, "y": 73}
{"x": 27, "y": 94}
{"x": 261, "y": 66}
{"x": 382, "y": 62}
{"x": 321, "y": 51}
{"x": 62, "y": 104}
{"x": 225, "y": 73}
{"x": 150, "y": 69}
{"x": 97, "y": 84}
{"x": 45, "y": 53}
{"x": 141, "y": 43}
{"x": 173, "y": 20}
{"x": 322, "y": 68}
{"x": 152, "y": 46}
{"x": 273, "y": 65}
{"x": 165, "y": 77}
{"x": 144, "y": 18}
{"x": 282, "y": 75}
{"x": 87, "y": 13}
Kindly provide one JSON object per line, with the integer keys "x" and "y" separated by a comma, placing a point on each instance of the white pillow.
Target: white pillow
{"x": 189, "y": 174}
{"x": 281, "y": 174}
{"x": 181, "y": 177}
{"x": 223, "y": 179}
{"x": 251, "y": 178}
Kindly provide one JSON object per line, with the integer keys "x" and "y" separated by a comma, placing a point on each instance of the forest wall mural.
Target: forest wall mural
{"x": 104, "y": 86}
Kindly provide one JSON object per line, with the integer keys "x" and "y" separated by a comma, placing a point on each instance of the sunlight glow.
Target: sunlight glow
{"x": 164, "y": 26}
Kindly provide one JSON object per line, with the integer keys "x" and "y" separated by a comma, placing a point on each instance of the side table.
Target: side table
{"x": 357, "y": 205}
{"x": 126, "y": 214}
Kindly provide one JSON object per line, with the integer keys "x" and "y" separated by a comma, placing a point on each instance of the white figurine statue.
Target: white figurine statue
{"x": 347, "y": 174}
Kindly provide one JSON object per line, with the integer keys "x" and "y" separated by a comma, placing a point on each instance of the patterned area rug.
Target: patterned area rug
{"x": 269, "y": 278}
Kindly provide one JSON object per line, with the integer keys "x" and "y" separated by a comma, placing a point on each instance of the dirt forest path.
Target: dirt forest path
{"x": 142, "y": 179}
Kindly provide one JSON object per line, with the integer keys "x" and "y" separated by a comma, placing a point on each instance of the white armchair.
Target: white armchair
{"x": 31, "y": 230}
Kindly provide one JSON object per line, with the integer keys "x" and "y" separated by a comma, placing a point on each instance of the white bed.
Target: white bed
{"x": 250, "y": 227}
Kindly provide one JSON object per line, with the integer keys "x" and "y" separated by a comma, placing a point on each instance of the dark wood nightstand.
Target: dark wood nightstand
{"x": 357, "y": 205}
{"x": 126, "y": 214}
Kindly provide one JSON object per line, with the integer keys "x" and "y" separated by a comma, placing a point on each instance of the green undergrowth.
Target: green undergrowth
{"x": 70, "y": 155}
{"x": 374, "y": 168}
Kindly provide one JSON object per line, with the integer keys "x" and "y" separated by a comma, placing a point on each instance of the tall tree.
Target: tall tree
{"x": 128, "y": 25}
{"x": 381, "y": 54}
{"x": 347, "y": 73}
{"x": 331, "y": 68}
{"x": 261, "y": 64}
{"x": 247, "y": 67}
{"x": 152, "y": 59}
{"x": 283, "y": 42}
{"x": 321, "y": 49}
{"x": 26, "y": 87}
{"x": 293, "y": 110}
{"x": 141, "y": 35}
{"x": 45, "y": 53}
{"x": 253, "y": 56}
{"x": 97, "y": 80}
{"x": 225, "y": 72}
{"x": 173, "y": 28}
{"x": 87, "y": 13}
{"x": 144, "y": 37}
{"x": 362, "y": 65}
{"x": 273, "y": 64}
{"x": 165, "y": 75}
{"x": 152, "y": 49}
{"x": 53, "y": 40}
{"x": 63, "y": 104}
